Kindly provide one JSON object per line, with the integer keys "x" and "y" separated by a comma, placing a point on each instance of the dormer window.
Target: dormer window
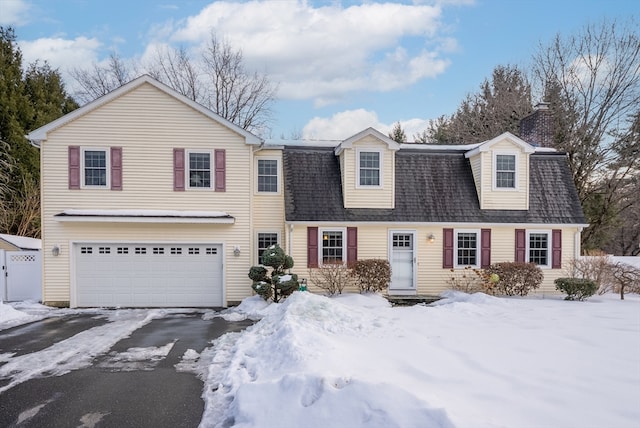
{"x": 369, "y": 168}
{"x": 505, "y": 171}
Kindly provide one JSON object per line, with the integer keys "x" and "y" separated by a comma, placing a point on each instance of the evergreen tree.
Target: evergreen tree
{"x": 28, "y": 99}
{"x": 397, "y": 134}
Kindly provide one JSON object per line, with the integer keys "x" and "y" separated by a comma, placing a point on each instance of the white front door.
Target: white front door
{"x": 403, "y": 262}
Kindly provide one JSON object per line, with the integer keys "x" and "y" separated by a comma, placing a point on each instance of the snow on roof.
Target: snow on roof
{"x": 22, "y": 242}
{"x": 144, "y": 213}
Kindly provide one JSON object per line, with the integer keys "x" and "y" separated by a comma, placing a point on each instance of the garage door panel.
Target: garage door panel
{"x": 148, "y": 275}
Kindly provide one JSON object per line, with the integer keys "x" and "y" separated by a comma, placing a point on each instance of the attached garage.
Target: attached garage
{"x": 148, "y": 275}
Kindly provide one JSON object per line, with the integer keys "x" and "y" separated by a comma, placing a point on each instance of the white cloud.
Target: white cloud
{"x": 64, "y": 54}
{"x": 326, "y": 52}
{"x": 344, "y": 124}
{"x": 13, "y": 12}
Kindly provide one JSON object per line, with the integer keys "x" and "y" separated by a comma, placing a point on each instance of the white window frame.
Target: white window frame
{"x": 495, "y": 171}
{"x": 321, "y": 232}
{"x": 107, "y": 156}
{"x": 187, "y": 170}
{"x": 455, "y": 247}
{"x": 278, "y": 175}
{"x": 380, "y": 168}
{"x": 549, "y": 246}
{"x": 260, "y": 232}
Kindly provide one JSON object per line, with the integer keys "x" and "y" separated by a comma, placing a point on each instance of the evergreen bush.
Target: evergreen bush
{"x": 576, "y": 288}
{"x": 277, "y": 284}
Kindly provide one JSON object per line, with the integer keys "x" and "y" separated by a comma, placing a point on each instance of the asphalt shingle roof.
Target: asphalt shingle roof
{"x": 431, "y": 186}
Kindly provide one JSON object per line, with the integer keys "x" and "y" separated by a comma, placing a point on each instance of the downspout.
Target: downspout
{"x": 289, "y": 241}
{"x": 576, "y": 243}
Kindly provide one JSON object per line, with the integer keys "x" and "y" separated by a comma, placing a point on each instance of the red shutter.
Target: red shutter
{"x": 447, "y": 244}
{"x": 116, "y": 168}
{"x": 556, "y": 245}
{"x": 74, "y": 167}
{"x": 178, "y": 169}
{"x": 220, "y": 170}
{"x": 521, "y": 245}
{"x": 312, "y": 247}
{"x": 352, "y": 245}
{"x": 485, "y": 248}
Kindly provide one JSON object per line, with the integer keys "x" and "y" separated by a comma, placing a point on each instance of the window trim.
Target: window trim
{"x": 494, "y": 181}
{"x": 107, "y": 156}
{"x": 278, "y": 175}
{"x": 187, "y": 170}
{"x": 380, "y": 168}
{"x": 257, "y": 246}
{"x": 321, "y": 231}
{"x": 549, "y": 246}
{"x": 478, "y": 248}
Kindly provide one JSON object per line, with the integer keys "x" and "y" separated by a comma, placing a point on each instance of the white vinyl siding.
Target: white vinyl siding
{"x": 148, "y": 124}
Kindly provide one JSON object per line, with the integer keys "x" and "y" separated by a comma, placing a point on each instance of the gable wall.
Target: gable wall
{"x": 493, "y": 199}
{"x": 358, "y": 197}
{"x": 148, "y": 124}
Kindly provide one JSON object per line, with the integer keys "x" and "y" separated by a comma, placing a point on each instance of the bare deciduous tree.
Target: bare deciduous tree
{"x": 102, "y": 79}
{"x": 218, "y": 80}
{"x": 592, "y": 80}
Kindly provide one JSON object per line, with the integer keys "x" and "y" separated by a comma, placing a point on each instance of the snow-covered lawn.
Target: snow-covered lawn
{"x": 354, "y": 361}
{"x": 468, "y": 361}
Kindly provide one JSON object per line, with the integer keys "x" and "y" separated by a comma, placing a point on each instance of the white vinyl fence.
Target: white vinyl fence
{"x": 21, "y": 277}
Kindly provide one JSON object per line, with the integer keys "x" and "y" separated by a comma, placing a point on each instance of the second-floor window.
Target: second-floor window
{"x": 369, "y": 168}
{"x": 200, "y": 170}
{"x": 267, "y": 175}
{"x": 95, "y": 167}
{"x": 506, "y": 171}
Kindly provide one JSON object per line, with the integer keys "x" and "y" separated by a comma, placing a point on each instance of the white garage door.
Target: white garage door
{"x": 148, "y": 275}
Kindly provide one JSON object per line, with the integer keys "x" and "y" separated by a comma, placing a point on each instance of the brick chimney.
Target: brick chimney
{"x": 537, "y": 128}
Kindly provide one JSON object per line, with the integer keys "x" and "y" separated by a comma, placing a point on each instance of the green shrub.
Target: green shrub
{"x": 576, "y": 288}
{"x": 279, "y": 284}
{"x": 371, "y": 274}
{"x": 515, "y": 278}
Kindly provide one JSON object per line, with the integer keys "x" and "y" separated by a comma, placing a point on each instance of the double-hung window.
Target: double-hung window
{"x": 265, "y": 240}
{"x": 538, "y": 247}
{"x": 95, "y": 167}
{"x": 199, "y": 172}
{"x": 333, "y": 246}
{"x": 268, "y": 175}
{"x": 467, "y": 248}
{"x": 505, "y": 171}
{"x": 369, "y": 168}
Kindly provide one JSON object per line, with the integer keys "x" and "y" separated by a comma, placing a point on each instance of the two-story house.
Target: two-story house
{"x": 149, "y": 199}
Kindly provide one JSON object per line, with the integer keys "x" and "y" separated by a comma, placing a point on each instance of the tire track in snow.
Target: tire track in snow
{"x": 77, "y": 351}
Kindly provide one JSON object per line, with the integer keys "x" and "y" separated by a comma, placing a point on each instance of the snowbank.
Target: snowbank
{"x": 468, "y": 361}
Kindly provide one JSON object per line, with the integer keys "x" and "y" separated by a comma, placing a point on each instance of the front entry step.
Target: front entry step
{"x": 411, "y": 300}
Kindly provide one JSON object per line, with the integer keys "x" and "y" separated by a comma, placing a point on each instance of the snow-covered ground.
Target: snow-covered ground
{"x": 354, "y": 361}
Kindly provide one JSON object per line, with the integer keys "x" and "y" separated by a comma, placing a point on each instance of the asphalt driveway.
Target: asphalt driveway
{"x": 114, "y": 389}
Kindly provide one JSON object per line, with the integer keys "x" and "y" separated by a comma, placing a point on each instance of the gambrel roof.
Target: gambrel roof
{"x": 430, "y": 186}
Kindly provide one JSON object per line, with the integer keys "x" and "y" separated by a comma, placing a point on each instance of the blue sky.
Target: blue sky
{"x": 340, "y": 66}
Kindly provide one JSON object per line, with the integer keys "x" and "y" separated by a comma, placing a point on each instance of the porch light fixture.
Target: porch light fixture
{"x": 55, "y": 250}
{"x": 236, "y": 251}
{"x": 431, "y": 238}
